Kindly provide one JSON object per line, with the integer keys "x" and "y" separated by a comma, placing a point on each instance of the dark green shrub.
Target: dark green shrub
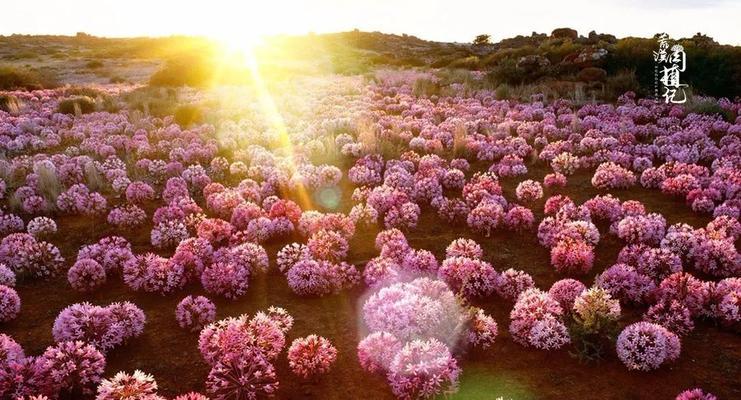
{"x": 76, "y": 105}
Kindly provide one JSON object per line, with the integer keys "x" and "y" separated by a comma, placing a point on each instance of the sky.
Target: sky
{"x": 441, "y": 20}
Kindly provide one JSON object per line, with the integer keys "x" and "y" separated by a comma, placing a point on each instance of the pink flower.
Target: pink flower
{"x": 423, "y": 369}
{"x": 528, "y": 191}
{"x": 464, "y": 248}
{"x": 468, "y": 276}
{"x": 72, "y": 365}
{"x": 193, "y": 313}
{"x": 124, "y": 386}
{"x": 377, "y": 350}
{"x": 565, "y": 292}
{"x": 510, "y": 283}
{"x": 247, "y": 375}
{"x": 311, "y": 355}
{"x": 695, "y": 394}
{"x": 482, "y": 329}
{"x": 645, "y": 346}
{"x": 86, "y": 275}
{"x": 572, "y": 257}
{"x": 10, "y": 304}
{"x": 227, "y": 279}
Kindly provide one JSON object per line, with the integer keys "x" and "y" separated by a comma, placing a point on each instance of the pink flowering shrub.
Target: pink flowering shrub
{"x": 70, "y": 366}
{"x": 193, "y": 313}
{"x": 625, "y": 283}
{"x": 327, "y": 246}
{"x": 245, "y": 375}
{"x": 672, "y": 315}
{"x": 555, "y": 180}
{"x": 482, "y": 329}
{"x": 535, "y": 321}
{"x": 572, "y": 257}
{"x": 647, "y": 229}
{"x": 528, "y": 191}
{"x": 644, "y": 346}
{"x": 128, "y": 386}
{"x": 595, "y": 311}
{"x": 30, "y": 257}
{"x": 421, "y": 308}
{"x": 485, "y": 217}
{"x": 686, "y": 289}
{"x": 102, "y": 327}
{"x": 519, "y": 219}
{"x": 423, "y": 369}
{"x": 227, "y": 279}
{"x": 112, "y": 252}
{"x": 10, "y": 304}
{"x": 41, "y": 227}
{"x": 612, "y": 176}
{"x": 510, "y": 283}
{"x": 565, "y": 292}
{"x": 127, "y": 217}
{"x": 695, "y": 394}
{"x": 7, "y": 276}
{"x": 86, "y": 275}
{"x": 464, "y": 248}
{"x": 232, "y": 336}
{"x": 139, "y": 192}
{"x": 377, "y": 350}
{"x": 154, "y": 274}
{"x": 311, "y": 355}
{"x": 468, "y": 276}
{"x": 723, "y": 302}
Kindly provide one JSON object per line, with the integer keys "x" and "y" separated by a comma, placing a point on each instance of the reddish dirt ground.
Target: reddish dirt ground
{"x": 711, "y": 356}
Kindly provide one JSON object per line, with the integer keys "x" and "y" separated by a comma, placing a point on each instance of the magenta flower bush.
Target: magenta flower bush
{"x": 535, "y": 321}
{"x": 377, "y": 350}
{"x": 468, "y": 276}
{"x": 154, "y": 274}
{"x": 246, "y": 375}
{"x": 644, "y": 346}
{"x": 10, "y": 304}
{"x": 193, "y": 313}
{"x": 510, "y": 283}
{"x": 69, "y": 366}
{"x": 572, "y": 257}
{"x": 126, "y": 386}
{"x": 423, "y": 369}
{"x": 102, "y": 327}
{"x": 695, "y": 394}
{"x": 86, "y": 275}
{"x": 310, "y": 356}
{"x": 528, "y": 191}
{"x": 227, "y": 279}
{"x": 482, "y": 329}
{"x": 565, "y": 292}
{"x": 232, "y": 336}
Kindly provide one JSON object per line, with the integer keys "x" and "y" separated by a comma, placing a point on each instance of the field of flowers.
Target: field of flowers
{"x": 348, "y": 237}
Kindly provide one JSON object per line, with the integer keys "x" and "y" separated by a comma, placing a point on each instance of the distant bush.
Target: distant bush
{"x": 621, "y": 82}
{"x": 9, "y": 104}
{"x": 707, "y": 106}
{"x": 470, "y": 62}
{"x": 76, "y": 105}
{"x": 191, "y": 71}
{"x": 15, "y": 79}
{"x": 117, "y": 79}
{"x": 426, "y": 87}
{"x": 502, "y": 92}
{"x": 188, "y": 114}
{"x": 94, "y": 64}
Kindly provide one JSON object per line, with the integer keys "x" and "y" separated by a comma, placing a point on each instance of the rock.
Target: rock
{"x": 532, "y": 62}
{"x": 566, "y": 33}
